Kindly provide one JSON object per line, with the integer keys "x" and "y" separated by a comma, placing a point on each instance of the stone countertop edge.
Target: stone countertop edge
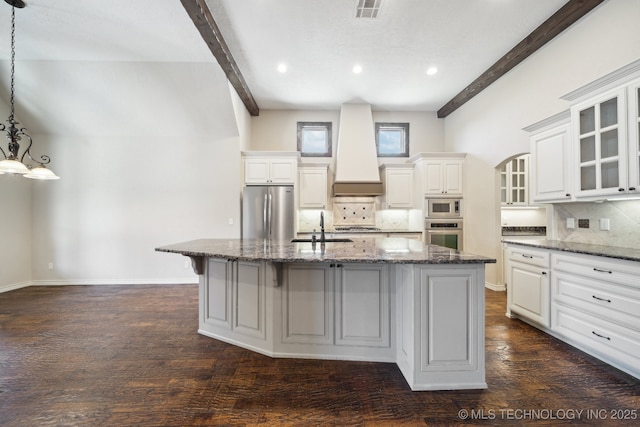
{"x": 353, "y": 252}
{"x": 616, "y": 252}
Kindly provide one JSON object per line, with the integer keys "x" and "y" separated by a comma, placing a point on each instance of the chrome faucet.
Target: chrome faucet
{"x": 321, "y": 227}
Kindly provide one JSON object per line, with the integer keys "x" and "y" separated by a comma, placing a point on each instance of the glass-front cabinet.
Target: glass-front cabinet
{"x": 600, "y": 130}
{"x": 514, "y": 177}
{"x": 634, "y": 136}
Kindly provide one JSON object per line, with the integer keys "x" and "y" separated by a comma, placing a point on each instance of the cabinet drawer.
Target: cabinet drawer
{"x": 599, "y": 268}
{"x": 618, "y": 303}
{"x": 529, "y": 256}
{"x": 613, "y": 344}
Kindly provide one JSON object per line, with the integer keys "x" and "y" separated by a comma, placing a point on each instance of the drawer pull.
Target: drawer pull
{"x": 601, "y": 336}
{"x": 600, "y": 299}
{"x": 528, "y": 256}
{"x": 602, "y": 271}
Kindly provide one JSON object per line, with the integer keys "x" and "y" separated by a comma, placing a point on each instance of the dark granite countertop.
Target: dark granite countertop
{"x": 389, "y": 250}
{"x": 524, "y": 231}
{"x": 629, "y": 254}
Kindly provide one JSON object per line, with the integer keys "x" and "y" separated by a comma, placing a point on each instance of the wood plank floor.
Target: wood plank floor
{"x": 130, "y": 355}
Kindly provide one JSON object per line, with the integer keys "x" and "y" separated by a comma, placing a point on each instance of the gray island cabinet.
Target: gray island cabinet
{"x": 374, "y": 299}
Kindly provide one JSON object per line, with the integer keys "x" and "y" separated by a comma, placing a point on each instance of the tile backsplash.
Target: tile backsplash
{"x": 624, "y": 220}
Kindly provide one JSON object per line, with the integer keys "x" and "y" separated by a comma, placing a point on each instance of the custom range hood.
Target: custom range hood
{"x": 356, "y": 157}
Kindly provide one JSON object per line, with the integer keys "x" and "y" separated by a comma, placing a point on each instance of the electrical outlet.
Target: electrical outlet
{"x": 571, "y": 223}
{"x": 583, "y": 223}
{"x": 605, "y": 224}
{"x": 50, "y": 265}
{"x": 187, "y": 264}
{"x": 230, "y": 221}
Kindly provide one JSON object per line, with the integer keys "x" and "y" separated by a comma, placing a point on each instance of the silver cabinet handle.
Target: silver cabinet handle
{"x": 600, "y": 299}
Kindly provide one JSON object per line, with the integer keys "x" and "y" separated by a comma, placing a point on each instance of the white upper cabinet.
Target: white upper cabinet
{"x": 514, "y": 182}
{"x": 398, "y": 186}
{"x": 267, "y": 168}
{"x": 551, "y": 172}
{"x": 312, "y": 187}
{"x": 634, "y": 136}
{"x": 443, "y": 177}
{"x": 438, "y": 174}
{"x": 599, "y": 140}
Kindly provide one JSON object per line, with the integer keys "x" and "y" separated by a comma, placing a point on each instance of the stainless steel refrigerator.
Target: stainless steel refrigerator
{"x": 268, "y": 212}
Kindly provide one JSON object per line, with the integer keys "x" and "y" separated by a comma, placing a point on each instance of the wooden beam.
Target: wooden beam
{"x": 201, "y": 16}
{"x": 566, "y": 16}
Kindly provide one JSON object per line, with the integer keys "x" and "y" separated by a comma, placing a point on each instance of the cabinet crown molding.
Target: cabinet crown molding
{"x": 615, "y": 78}
{"x": 556, "y": 119}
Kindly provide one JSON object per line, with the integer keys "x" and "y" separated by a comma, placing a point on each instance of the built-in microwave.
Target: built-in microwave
{"x": 443, "y": 208}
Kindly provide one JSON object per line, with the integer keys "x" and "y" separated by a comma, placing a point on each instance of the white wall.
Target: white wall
{"x": 489, "y": 126}
{"x": 156, "y": 164}
{"x": 15, "y": 218}
{"x": 276, "y": 130}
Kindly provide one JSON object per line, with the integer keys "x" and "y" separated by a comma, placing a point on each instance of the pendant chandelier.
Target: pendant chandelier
{"x": 13, "y": 162}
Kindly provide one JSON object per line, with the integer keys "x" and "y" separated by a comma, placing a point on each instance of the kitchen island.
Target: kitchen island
{"x": 371, "y": 299}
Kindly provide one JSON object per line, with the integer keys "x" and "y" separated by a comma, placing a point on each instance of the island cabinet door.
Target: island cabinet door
{"x": 307, "y": 304}
{"x": 249, "y": 299}
{"x": 215, "y": 295}
{"x": 362, "y": 301}
{"x": 451, "y": 327}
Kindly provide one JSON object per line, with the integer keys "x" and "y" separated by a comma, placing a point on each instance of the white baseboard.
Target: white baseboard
{"x": 497, "y": 288}
{"x": 14, "y": 286}
{"x": 114, "y": 282}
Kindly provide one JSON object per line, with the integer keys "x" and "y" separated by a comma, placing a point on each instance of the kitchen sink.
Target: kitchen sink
{"x": 318, "y": 240}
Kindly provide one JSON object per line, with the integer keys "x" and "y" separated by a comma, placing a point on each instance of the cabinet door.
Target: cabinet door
{"x": 312, "y": 187}
{"x": 443, "y": 176}
{"x": 215, "y": 295}
{"x": 530, "y": 295}
{"x": 452, "y": 180}
{"x": 634, "y": 137}
{"x": 362, "y": 305}
{"x": 600, "y": 145}
{"x": 307, "y": 305}
{"x": 551, "y": 171}
{"x": 282, "y": 171}
{"x": 256, "y": 171}
{"x": 450, "y": 337}
{"x": 433, "y": 177}
{"x": 514, "y": 182}
{"x": 398, "y": 188}
{"x": 249, "y": 295}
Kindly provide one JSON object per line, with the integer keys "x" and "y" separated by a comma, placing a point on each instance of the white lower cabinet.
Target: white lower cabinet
{"x": 233, "y": 300}
{"x": 441, "y": 331}
{"x": 528, "y": 295}
{"x": 596, "y": 307}
{"x": 593, "y": 303}
{"x": 337, "y": 304}
{"x": 429, "y": 319}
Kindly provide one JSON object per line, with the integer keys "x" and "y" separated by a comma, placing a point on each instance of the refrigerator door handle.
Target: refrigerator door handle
{"x": 270, "y": 215}
{"x": 264, "y": 216}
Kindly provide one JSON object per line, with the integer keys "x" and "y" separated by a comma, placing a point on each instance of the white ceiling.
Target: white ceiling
{"x": 319, "y": 40}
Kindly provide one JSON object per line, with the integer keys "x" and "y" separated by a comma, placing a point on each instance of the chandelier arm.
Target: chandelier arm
{"x": 3, "y": 153}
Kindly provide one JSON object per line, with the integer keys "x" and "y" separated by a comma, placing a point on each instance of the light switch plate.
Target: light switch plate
{"x": 605, "y": 224}
{"x": 571, "y": 223}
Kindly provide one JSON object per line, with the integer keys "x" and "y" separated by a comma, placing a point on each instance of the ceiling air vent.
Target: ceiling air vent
{"x": 368, "y": 8}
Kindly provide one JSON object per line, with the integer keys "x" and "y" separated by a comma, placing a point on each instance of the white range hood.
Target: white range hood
{"x": 357, "y": 171}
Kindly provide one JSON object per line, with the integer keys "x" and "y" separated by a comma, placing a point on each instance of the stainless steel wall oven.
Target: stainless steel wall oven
{"x": 444, "y": 232}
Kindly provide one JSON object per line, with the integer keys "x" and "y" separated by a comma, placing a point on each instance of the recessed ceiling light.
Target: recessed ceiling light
{"x": 432, "y": 71}
{"x": 282, "y": 68}
{"x": 357, "y": 69}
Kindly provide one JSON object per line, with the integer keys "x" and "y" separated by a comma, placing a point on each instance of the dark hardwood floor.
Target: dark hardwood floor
{"x": 130, "y": 355}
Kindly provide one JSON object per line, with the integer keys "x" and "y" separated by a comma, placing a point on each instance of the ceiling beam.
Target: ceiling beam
{"x": 201, "y": 16}
{"x": 566, "y": 16}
